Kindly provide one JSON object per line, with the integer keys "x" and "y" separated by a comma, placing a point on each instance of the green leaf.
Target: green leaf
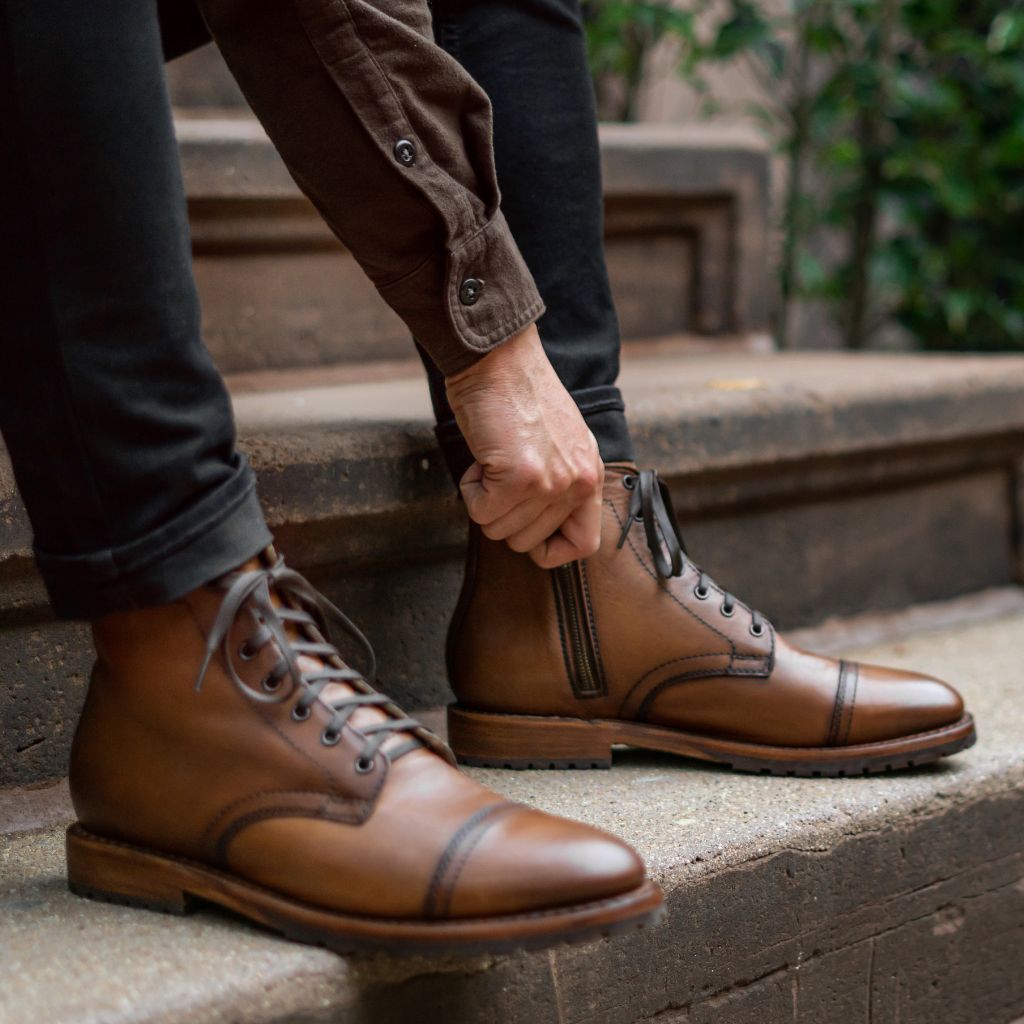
{"x": 1007, "y": 31}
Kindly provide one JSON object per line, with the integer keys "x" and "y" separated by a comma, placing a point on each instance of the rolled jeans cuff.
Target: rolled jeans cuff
{"x": 603, "y": 410}
{"x": 215, "y": 535}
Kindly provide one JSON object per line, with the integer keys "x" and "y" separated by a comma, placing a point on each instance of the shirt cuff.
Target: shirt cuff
{"x": 468, "y": 300}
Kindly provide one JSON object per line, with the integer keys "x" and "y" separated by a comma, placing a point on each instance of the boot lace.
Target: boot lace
{"x": 651, "y": 505}
{"x": 308, "y": 611}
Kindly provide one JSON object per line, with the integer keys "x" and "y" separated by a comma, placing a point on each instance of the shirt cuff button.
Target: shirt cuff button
{"x": 469, "y": 291}
{"x": 405, "y": 152}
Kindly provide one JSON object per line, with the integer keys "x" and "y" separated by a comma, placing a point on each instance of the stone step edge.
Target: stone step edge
{"x": 357, "y": 452}
{"x": 735, "y": 411}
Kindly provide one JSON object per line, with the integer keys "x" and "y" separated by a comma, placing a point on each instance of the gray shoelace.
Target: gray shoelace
{"x": 651, "y": 504}
{"x": 308, "y": 611}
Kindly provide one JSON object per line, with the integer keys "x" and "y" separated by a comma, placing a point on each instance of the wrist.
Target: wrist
{"x": 506, "y": 362}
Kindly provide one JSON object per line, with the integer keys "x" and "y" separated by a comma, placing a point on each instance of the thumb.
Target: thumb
{"x": 474, "y": 493}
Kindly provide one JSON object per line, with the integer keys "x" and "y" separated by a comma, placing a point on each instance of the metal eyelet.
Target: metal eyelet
{"x": 300, "y": 715}
{"x": 728, "y": 610}
{"x": 270, "y": 685}
{"x": 756, "y": 631}
{"x": 629, "y": 481}
{"x": 364, "y": 765}
{"x": 329, "y": 738}
{"x": 701, "y": 593}
{"x": 246, "y": 651}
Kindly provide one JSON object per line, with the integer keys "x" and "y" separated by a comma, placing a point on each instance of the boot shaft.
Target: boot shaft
{"x": 595, "y": 636}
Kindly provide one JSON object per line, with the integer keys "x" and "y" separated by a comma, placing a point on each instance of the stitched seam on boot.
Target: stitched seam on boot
{"x": 641, "y": 713}
{"x": 268, "y": 813}
{"x": 850, "y": 704}
{"x": 209, "y": 838}
{"x": 837, "y": 707}
{"x": 442, "y": 887}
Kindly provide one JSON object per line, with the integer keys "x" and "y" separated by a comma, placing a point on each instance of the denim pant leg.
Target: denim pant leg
{"x": 530, "y": 58}
{"x": 119, "y": 428}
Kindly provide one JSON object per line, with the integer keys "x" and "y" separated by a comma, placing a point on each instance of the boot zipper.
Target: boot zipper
{"x": 579, "y": 635}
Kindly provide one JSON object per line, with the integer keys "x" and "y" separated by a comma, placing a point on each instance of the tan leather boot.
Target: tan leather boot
{"x": 638, "y": 646}
{"x": 226, "y": 754}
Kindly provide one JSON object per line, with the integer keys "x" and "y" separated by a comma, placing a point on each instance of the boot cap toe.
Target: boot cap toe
{"x": 891, "y": 703}
{"x": 529, "y": 861}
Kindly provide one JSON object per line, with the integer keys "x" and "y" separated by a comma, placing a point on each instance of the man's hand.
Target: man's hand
{"x": 536, "y": 482}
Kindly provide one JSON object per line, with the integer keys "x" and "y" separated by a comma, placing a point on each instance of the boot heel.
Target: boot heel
{"x": 526, "y": 741}
{"x": 114, "y": 872}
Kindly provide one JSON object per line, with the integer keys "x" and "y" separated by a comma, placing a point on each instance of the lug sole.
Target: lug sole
{"x": 488, "y": 740}
{"x": 117, "y": 872}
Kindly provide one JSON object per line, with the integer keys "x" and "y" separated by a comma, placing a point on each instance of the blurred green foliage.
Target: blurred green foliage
{"x": 902, "y": 124}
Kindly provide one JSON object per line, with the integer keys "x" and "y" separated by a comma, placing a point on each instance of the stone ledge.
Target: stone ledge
{"x": 883, "y": 899}
{"x": 725, "y": 430}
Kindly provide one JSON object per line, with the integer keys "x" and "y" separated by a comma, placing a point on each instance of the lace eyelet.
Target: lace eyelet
{"x": 270, "y": 685}
{"x": 246, "y": 651}
{"x": 629, "y": 481}
{"x": 756, "y": 631}
{"x": 364, "y": 765}
{"x": 329, "y": 738}
{"x": 728, "y": 610}
{"x": 701, "y": 593}
{"x": 300, "y": 715}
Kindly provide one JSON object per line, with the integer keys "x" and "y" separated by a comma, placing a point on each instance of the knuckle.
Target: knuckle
{"x": 531, "y": 474}
{"x": 563, "y": 477}
{"x": 560, "y": 480}
{"x": 590, "y": 477}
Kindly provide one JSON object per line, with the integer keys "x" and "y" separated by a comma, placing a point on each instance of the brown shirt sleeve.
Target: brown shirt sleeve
{"x": 391, "y": 140}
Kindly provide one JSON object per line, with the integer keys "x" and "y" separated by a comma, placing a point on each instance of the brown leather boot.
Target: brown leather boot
{"x": 226, "y": 754}
{"x": 638, "y": 646}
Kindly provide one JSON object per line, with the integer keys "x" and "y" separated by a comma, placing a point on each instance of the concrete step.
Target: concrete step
{"x": 814, "y": 485}
{"x": 894, "y": 900}
{"x": 686, "y": 241}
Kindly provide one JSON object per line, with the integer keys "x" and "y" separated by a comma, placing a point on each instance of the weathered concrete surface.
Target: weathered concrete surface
{"x": 894, "y": 900}
{"x": 686, "y": 240}
{"x": 813, "y": 485}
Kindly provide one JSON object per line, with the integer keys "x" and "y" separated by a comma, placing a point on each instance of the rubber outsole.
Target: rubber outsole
{"x": 487, "y": 740}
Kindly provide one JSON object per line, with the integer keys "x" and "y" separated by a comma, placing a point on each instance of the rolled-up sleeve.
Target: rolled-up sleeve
{"x": 391, "y": 140}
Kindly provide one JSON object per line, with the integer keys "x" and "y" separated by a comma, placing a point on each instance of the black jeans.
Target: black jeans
{"x": 530, "y": 58}
{"x": 118, "y": 425}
